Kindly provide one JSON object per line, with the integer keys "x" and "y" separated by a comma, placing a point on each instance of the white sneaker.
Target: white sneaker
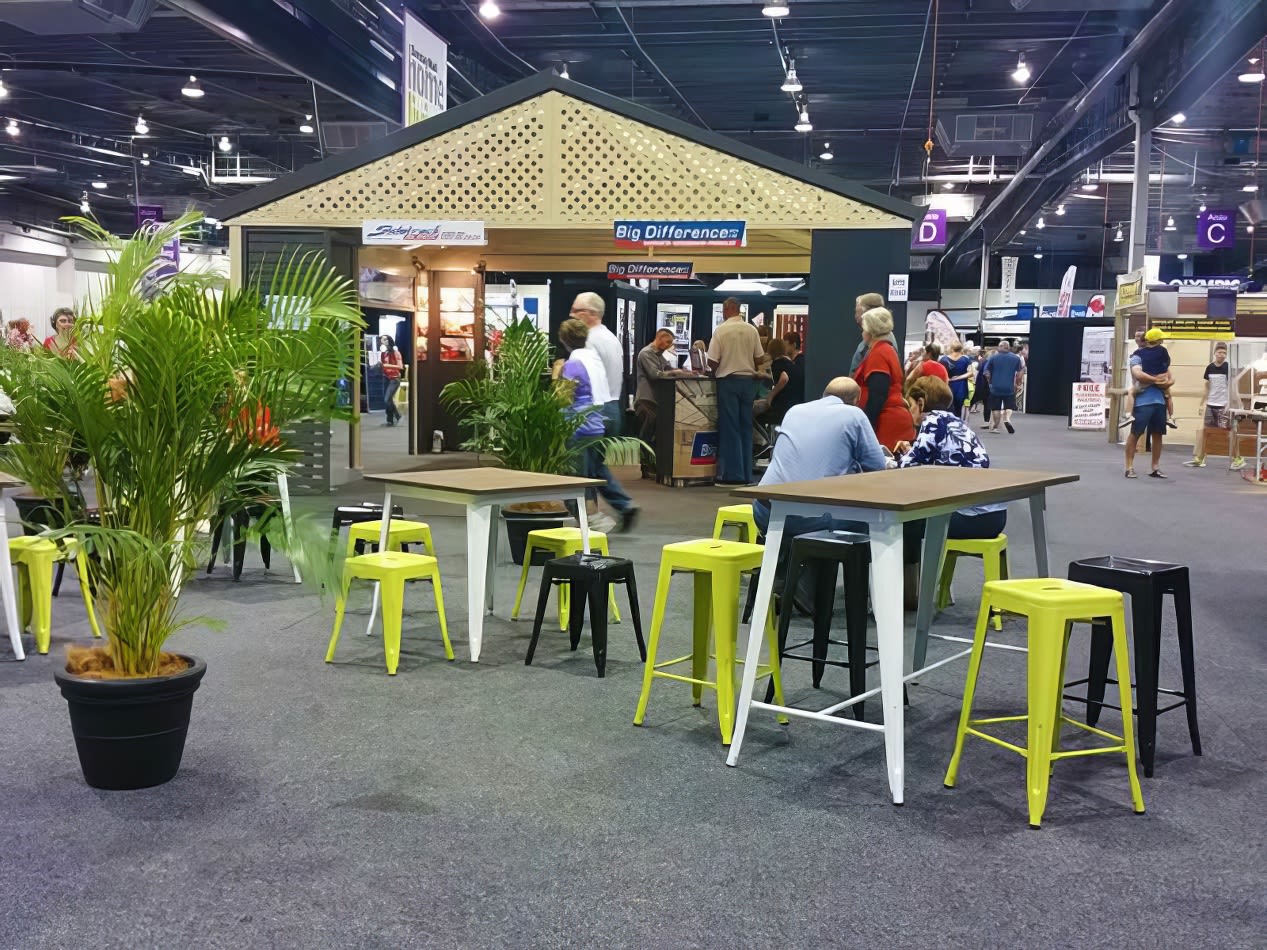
{"x": 1195, "y": 463}
{"x": 1238, "y": 463}
{"x": 602, "y": 522}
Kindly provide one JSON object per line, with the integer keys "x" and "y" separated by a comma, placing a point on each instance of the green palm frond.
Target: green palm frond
{"x": 176, "y": 382}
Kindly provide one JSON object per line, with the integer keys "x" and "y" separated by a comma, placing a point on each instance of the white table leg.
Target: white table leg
{"x": 1038, "y": 519}
{"x": 383, "y": 534}
{"x": 583, "y": 519}
{"x": 6, "y": 588}
{"x": 756, "y": 632}
{"x": 490, "y": 574}
{"x": 930, "y": 571}
{"x": 478, "y": 525}
{"x": 288, "y": 520}
{"x": 886, "y": 600}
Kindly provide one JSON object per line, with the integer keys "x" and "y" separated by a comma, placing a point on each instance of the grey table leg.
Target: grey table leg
{"x": 1038, "y": 519}
{"x": 930, "y": 570}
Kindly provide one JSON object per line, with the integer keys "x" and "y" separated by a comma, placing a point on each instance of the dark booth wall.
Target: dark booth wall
{"x": 844, "y": 265}
{"x": 1055, "y": 363}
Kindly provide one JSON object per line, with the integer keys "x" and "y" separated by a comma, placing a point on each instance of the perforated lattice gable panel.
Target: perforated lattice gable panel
{"x": 555, "y": 161}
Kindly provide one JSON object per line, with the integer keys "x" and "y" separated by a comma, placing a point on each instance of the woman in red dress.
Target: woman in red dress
{"x": 880, "y": 376}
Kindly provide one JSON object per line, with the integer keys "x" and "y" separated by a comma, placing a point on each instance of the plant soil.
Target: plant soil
{"x": 95, "y": 663}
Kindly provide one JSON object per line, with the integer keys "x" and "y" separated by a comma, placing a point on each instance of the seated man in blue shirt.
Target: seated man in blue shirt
{"x": 829, "y": 436}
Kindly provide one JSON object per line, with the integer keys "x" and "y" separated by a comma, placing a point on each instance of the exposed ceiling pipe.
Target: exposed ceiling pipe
{"x": 1072, "y": 111}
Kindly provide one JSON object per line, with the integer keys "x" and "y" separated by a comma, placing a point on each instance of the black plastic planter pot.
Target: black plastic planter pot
{"x": 130, "y": 733}
{"x": 519, "y": 523}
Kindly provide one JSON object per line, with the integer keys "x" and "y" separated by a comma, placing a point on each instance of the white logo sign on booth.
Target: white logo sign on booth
{"x": 899, "y": 286}
{"x": 425, "y": 68}
{"x": 424, "y": 233}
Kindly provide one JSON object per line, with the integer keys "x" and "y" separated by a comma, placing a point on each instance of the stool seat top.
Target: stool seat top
{"x": 720, "y": 550}
{"x": 590, "y": 562}
{"x": 391, "y": 560}
{"x": 562, "y": 534}
{"x": 744, "y": 509}
{"x": 397, "y": 526}
{"x": 1046, "y": 593}
{"x": 1133, "y": 565}
{"x": 835, "y": 537}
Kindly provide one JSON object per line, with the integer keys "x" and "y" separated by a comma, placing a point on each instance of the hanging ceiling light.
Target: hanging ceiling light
{"x": 1022, "y": 232}
{"x": 1182, "y": 257}
{"x": 1202, "y": 208}
{"x": 1254, "y": 73}
{"x": 1060, "y": 209}
{"x": 1250, "y": 188}
{"x": 948, "y": 186}
{"x": 563, "y": 73}
{"x": 1087, "y": 183}
{"x": 791, "y": 82}
{"x": 224, "y": 144}
{"x": 1119, "y": 237}
{"x": 145, "y": 158}
{"x": 803, "y": 123}
{"x": 84, "y": 206}
{"x": 775, "y": 9}
{"x": 1021, "y": 73}
{"x": 827, "y": 155}
{"x": 1038, "y": 255}
{"x": 192, "y": 89}
{"x": 489, "y": 10}
{"x": 100, "y": 185}
{"x": 1040, "y": 223}
{"x": 142, "y": 127}
{"x": 12, "y": 128}
{"x": 1170, "y": 224}
{"x": 1178, "y": 118}
{"x": 306, "y": 125}
{"x": 4, "y": 92}
{"x": 1249, "y": 228}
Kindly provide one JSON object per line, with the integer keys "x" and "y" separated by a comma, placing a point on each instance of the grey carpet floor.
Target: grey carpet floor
{"x": 498, "y": 805}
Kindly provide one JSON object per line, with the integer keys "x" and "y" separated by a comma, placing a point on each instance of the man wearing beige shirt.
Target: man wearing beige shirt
{"x": 732, "y": 356}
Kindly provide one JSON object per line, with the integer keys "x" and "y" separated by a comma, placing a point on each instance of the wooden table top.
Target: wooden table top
{"x": 485, "y": 481}
{"x": 10, "y": 481}
{"x": 909, "y": 489}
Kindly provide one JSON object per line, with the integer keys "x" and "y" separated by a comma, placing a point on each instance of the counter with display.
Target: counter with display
{"x": 686, "y": 430}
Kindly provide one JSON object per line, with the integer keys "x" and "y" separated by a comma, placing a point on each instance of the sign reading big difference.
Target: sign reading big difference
{"x": 680, "y": 233}
{"x": 650, "y": 270}
{"x": 424, "y": 233}
{"x": 425, "y": 64}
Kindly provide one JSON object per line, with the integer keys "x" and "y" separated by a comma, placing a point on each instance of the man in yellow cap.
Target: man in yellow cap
{"x": 1150, "y": 368}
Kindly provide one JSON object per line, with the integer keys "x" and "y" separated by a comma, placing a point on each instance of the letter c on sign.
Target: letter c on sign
{"x": 1215, "y": 233}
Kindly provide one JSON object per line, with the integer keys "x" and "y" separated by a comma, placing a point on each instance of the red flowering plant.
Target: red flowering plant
{"x": 178, "y": 397}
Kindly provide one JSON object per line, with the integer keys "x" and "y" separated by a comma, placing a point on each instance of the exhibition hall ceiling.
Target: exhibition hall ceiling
{"x": 997, "y": 86}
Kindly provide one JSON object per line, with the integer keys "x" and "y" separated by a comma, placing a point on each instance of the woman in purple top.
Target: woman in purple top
{"x": 584, "y": 368}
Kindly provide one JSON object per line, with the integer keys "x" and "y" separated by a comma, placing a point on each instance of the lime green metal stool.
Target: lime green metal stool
{"x": 737, "y": 516}
{"x": 1052, "y": 606}
{"x": 993, "y": 554}
{"x": 560, "y": 542}
{"x": 399, "y": 533}
{"x": 391, "y": 569}
{"x": 34, "y": 557}
{"x": 717, "y": 567}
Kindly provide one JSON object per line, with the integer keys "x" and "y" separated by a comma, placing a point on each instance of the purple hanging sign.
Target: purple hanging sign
{"x": 145, "y": 214}
{"x": 1216, "y": 229}
{"x": 930, "y": 234}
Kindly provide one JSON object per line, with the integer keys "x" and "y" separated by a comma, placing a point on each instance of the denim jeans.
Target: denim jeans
{"x": 593, "y": 466}
{"x": 389, "y": 399}
{"x": 734, "y": 428}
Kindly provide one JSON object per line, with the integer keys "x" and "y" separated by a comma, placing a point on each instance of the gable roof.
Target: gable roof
{"x": 549, "y": 152}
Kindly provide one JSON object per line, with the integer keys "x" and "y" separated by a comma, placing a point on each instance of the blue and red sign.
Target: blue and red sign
{"x": 650, "y": 270}
{"x": 680, "y": 233}
{"x": 704, "y": 448}
{"x": 1215, "y": 229}
{"x": 930, "y": 234}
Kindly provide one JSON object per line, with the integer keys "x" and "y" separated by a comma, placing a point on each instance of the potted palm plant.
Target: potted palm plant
{"x": 176, "y": 401}
{"x": 518, "y": 415}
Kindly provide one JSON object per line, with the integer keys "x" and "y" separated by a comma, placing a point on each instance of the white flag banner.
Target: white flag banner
{"x": 1009, "y": 281}
{"x": 1065, "y": 304}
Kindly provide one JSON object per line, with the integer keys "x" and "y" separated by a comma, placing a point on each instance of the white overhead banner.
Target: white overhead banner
{"x": 424, "y": 233}
{"x": 425, "y": 68}
{"x": 1009, "y": 281}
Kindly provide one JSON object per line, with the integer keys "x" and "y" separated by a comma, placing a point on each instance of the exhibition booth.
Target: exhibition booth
{"x": 512, "y": 203}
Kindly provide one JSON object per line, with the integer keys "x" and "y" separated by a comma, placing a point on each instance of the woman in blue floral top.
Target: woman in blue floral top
{"x": 942, "y": 438}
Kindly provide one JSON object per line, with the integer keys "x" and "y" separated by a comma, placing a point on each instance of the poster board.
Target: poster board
{"x": 1086, "y": 410}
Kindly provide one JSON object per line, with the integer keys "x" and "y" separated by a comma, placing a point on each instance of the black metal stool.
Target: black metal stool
{"x": 1147, "y": 582}
{"x": 827, "y": 552}
{"x": 590, "y": 576}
